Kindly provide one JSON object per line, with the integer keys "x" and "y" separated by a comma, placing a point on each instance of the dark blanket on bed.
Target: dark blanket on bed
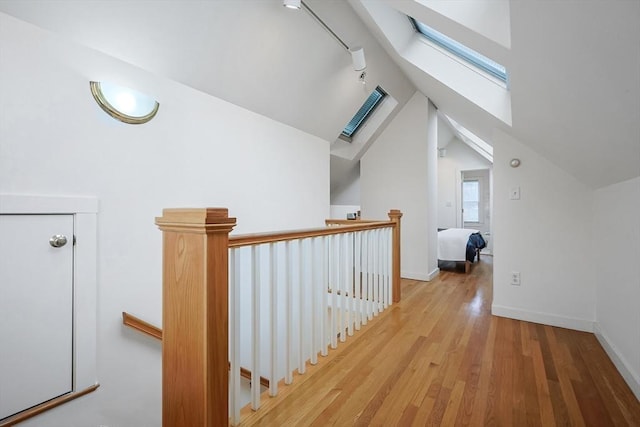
{"x": 475, "y": 242}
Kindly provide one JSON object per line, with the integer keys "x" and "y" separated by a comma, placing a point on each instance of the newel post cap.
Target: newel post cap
{"x": 196, "y": 218}
{"x": 395, "y": 213}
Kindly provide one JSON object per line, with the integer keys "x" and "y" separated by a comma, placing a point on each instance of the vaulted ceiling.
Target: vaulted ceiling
{"x": 574, "y": 66}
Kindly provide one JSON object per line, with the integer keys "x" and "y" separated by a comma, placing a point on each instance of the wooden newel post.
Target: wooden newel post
{"x": 395, "y": 215}
{"x": 195, "y": 355}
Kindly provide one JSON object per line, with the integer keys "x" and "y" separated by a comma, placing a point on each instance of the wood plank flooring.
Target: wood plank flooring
{"x": 439, "y": 358}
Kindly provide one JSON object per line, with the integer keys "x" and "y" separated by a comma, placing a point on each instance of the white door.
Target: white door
{"x": 36, "y": 297}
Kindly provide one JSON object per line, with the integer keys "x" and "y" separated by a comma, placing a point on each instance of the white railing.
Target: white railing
{"x": 291, "y": 300}
{"x": 262, "y": 306}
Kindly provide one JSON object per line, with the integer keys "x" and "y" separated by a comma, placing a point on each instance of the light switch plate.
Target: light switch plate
{"x": 514, "y": 194}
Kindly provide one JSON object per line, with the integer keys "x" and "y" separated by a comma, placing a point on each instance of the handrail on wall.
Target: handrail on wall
{"x": 140, "y": 325}
{"x": 195, "y": 346}
{"x": 153, "y": 331}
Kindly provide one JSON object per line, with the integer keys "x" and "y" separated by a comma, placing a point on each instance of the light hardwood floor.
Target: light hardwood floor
{"x": 440, "y": 358}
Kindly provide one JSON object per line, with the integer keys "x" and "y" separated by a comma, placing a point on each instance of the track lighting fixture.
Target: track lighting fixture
{"x": 357, "y": 52}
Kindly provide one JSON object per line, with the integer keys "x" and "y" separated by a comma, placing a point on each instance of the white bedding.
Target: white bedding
{"x": 452, "y": 243}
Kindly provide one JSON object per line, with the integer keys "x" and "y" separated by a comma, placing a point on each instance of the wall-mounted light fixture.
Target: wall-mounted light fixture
{"x": 514, "y": 163}
{"x": 357, "y": 52}
{"x": 124, "y": 104}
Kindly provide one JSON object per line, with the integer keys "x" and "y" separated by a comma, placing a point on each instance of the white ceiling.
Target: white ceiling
{"x": 574, "y": 66}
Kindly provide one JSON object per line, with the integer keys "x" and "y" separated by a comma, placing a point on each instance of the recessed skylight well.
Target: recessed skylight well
{"x": 363, "y": 113}
{"x": 461, "y": 51}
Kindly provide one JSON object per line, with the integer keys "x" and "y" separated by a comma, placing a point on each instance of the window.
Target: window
{"x": 363, "y": 113}
{"x": 471, "y": 201}
{"x": 461, "y": 51}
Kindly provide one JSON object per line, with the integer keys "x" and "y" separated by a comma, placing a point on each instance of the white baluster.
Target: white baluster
{"x": 322, "y": 300}
{"x": 357, "y": 271}
{"x": 385, "y": 272}
{"x": 288, "y": 378}
{"x": 315, "y": 313}
{"x": 301, "y": 309}
{"x": 383, "y": 262}
{"x": 342, "y": 285}
{"x": 273, "y": 288}
{"x": 335, "y": 277}
{"x": 365, "y": 276}
{"x": 234, "y": 334}
{"x": 376, "y": 272}
{"x": 255, "y": 317}
{"x": 389, "y": 265}
{"x": 368, "y": 284}
{"x": 350, "y": 283}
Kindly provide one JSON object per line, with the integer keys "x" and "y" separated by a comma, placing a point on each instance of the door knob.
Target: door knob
{"x": 58, "y": 240}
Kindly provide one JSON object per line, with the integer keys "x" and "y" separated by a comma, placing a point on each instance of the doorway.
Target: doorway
{"x": 475, "y": 210}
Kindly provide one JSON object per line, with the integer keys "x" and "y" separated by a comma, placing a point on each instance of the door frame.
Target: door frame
{"x": 84, "y": 211}
{"x": 487, "y": 225}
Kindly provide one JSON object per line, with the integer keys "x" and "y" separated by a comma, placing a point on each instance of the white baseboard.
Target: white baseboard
{"x": 414, "y": 276}
{"x": 420, "y": 276}
{"x": 632, "y": 379}
{"x": 543, "y": 318}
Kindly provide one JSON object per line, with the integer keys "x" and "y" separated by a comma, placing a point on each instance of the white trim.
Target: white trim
{"x": 414, "y": 276}
{"x": 632, "y": 379}
{"x": 543, "y": 318}
{"x": 85, "y": 301}
{"x": 84, "y": 211}
{"x": 33, "y": 204}
{"x": 420, "y": 276}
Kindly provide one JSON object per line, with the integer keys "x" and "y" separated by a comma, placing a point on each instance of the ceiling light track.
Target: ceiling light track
{"x": 356, "y": 52}
{"x": 324, "y": 25}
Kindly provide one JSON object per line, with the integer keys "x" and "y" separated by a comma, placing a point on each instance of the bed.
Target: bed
{"x": 460, "y": 245}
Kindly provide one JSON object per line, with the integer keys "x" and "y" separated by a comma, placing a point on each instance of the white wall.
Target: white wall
{"x": 432, "y": 192}
{"x": 198, "y": 151}
{"x": 345, "y": 181}
{"x": 394, "y": 174}
{"x": 616, "y": 235}
{"x": 546, "y": 236}
{"x": 458, "y": 157}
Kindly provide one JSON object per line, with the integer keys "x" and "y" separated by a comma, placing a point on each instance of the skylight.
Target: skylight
{"x": 461, "y": 51}
{"x": 363, "y": 113}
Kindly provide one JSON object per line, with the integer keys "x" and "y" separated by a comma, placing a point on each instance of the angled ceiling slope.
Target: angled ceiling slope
{"x": 574, "y": 74}
{"x": 253, "y": 53}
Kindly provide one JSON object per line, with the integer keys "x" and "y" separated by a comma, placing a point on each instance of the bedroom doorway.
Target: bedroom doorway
{"x": 475, "y": 203}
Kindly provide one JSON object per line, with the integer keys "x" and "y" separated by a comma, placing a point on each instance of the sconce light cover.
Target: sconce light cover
{"x": 124, "y": 104}
{"x": 357, "y": 56}
{"x": 291, "y": 4}
{"x": 514, "y": 163}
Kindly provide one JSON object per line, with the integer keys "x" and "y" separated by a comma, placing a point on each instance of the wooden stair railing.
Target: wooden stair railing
{"x": 153, "y": 331}
{"x": 195, "y": 316}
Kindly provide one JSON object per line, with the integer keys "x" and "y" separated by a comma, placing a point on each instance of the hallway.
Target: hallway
{"x": 440, "y": 358}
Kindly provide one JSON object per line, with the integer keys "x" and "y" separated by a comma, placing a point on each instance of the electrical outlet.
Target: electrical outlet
{"x": 515, "y": 278}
